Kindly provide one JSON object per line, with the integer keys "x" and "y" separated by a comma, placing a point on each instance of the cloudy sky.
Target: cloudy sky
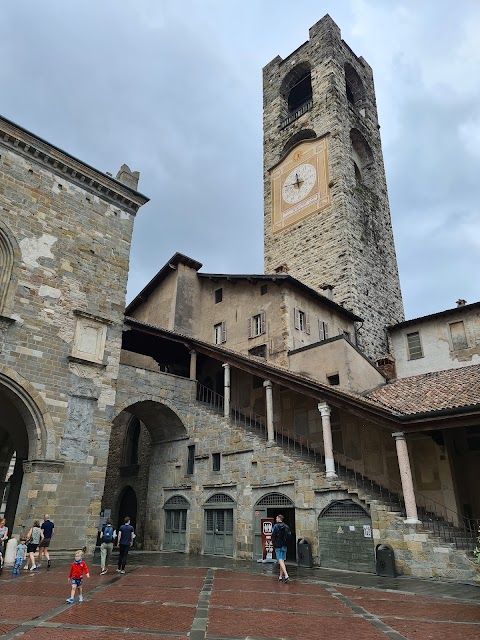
{"x": 174, "y": 89}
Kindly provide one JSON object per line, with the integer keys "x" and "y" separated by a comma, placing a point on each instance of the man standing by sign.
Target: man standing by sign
{"x": 280, "y": 536}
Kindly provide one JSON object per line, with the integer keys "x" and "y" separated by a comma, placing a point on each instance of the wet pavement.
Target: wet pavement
{"x": 166, "y": 595}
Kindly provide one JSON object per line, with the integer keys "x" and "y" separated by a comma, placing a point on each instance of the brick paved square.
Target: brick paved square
{"x": 132, "y": 616}
{"x": 288, "y": 626}
{"x": 269, "y": 584}
{"x": 85, "y": 634}
{"x": 372, "y": 594}
{"x": 153, "y": 581}
{"x": 21, "y": 609}
{"x": 417, "y": 630}
{"x": 170, "y": 571}
{"x": 280, "y": 602}
{"x": 147, "y": 594}
{"x": 459, "y": 612}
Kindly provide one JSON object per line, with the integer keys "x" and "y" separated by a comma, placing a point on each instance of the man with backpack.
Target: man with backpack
{"x": 280, "y": 537}
{"x": 107, "y": 535}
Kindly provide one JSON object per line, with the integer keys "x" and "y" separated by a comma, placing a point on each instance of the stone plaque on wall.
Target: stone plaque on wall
{"x": 76, "y": 439}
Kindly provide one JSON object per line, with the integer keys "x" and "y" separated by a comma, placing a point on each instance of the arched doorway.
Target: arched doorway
{"x": 345, "y": 537}
{"x": 218, "y": 532}
{"x": 22, "y": 437}
{"x": 270, "y": 506}
{"x": 127, "y": 506}
{"x": 176, "y": 510}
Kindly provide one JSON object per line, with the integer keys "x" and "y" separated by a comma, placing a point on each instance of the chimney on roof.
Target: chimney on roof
{"x": 282, "y": 268}
{"x": 461, "y": 303}
{"x": 327, "y": 290}
{"x": 386, "y": 365}
{"x": 128, "y": 177}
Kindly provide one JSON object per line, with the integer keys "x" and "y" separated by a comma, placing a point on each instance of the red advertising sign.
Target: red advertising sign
{"x": 267, "y": 543}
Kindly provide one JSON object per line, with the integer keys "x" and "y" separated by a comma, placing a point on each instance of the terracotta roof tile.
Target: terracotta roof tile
{"x": 453, "y": 388}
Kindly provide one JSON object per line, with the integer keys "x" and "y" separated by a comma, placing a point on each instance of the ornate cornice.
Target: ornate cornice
{"x": 29, "y": 146}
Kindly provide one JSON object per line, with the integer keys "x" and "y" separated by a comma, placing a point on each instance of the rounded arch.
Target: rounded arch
{"x": 26, "y": 405}
{"x": 177, "y": 502}
{"x": 354, "y": 88}
{"x": 219, "y": 498}
{"x": 363, "y": 159}
{"x": 9, "y": 254}
{"x": 344, "y": 508}
{"x": 297, "y": 138}
{"x": 274, "y": 499}
{"x": 161, "y": 421}
{"x": 296, "y": 87}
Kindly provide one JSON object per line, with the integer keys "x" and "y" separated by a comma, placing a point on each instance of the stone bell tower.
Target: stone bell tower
{"x": 326, "y": 205}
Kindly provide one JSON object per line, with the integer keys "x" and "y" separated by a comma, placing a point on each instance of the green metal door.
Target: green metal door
{"x": 175, "y": 529}
{"x": 219, "y": 532}
{"x": 345, "y": 537}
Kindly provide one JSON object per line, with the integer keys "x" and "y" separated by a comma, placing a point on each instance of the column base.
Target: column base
{"x": 331, "y": 474}
{"x": 412, "y": 521}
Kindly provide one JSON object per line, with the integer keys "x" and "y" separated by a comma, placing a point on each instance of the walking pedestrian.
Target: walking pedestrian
{"x": 3, "y": 535}
{"x": 75, "y": 577}
{"x": 124, "y": 541}
{"x": 48, "y": 529}
{"x": 107, "y": 536}
{"x": 20, "y": 556}
{"x": 280, "y": 536}
{"x": 34, "y": 537}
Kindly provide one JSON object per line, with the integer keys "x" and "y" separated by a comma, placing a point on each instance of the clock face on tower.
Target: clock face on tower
{"x": 300, "y": 184}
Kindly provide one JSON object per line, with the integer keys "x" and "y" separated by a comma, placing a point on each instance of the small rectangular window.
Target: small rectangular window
{"x": 301, "y": 321}
{"x": 260, "y": 351}
{"x": 220, "y": 333}
{"x": 414, "y": 346}
{"x": 458, "y": 335}
{"x": 191, "y": 459}
{"x": 218, "y": 295}
{"x": 334, "y": 379}
{"x": 216, "y": 461}
{"x": 263, "y": 289}
{"x": 256, "y": 325}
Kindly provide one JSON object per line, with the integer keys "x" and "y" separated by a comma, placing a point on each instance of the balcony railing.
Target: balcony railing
{"x": 306, "y": 106}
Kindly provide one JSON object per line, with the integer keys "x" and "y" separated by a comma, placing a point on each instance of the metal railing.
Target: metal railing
{"x": 370, "y": 484}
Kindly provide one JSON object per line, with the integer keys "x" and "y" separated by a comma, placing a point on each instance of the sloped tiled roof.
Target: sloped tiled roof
{"x": 437, "y": 391}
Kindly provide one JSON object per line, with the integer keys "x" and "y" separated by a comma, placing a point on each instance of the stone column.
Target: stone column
{"x": 269, "y": 398}
{"x": 406, "y": 477}
{"x": 193, "y": 364}
{"x": 226, "y": 395}
{"x": 325, "y": 412}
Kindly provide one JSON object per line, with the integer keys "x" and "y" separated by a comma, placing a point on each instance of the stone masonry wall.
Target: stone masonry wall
{"x": 71, "y": 243}
{"x": 349, "y": 244}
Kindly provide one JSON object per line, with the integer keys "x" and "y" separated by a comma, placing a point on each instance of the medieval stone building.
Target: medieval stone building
{"x": 220, "y": 399}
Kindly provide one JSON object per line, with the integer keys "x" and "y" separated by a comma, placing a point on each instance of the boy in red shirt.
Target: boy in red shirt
{"x": 77, "y": 571}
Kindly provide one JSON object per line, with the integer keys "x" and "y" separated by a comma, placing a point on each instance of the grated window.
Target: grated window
{"x": 275, "y": 500}
{"x": 219, "y": 497}
{"x": 177, "y": 501}
{"x": 344, "y": 509}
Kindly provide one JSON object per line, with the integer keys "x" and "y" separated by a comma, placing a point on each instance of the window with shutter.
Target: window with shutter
{"x": 256, "y": 325}
{"x": 307, "y": 324}
{"x": 414, "y": 346}
{"x": 458, "y": 335}
{"x": 250, "y": 328}
{"x": 220, "y": 333}
{"x": 224, "y": 332}
{"x": 296, "y": 313}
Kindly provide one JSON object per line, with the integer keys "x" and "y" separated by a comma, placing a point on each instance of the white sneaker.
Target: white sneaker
{"x": 33, "y": 568}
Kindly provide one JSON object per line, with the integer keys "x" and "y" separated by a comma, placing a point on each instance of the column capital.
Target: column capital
{"x": 324, "y": 409}
{"x": 267, "y": 384}
{"x": 398, "y": 435}
{"x": 192, "y": 352}
{"x": 226, "y": 365}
